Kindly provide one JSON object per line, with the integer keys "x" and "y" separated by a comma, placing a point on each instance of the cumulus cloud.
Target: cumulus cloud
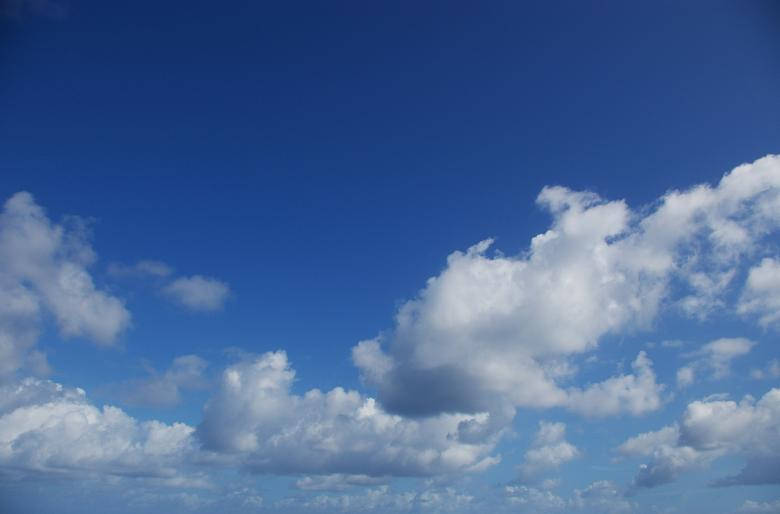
{"x": 480, "y": 335}
{"x": 198, "y": 293}
{"x": 46, "y": 428}
{"x": 43, "y": 270}
{"x": 255, "y": 417}
{"x": 716, "y": 357}
{"x": 186, "y": 373}
{"x": 636, "y": 393}
{"x": 761, "y": 295}
{"x": 549, "y": 450}
{"x": 709, "y": 429}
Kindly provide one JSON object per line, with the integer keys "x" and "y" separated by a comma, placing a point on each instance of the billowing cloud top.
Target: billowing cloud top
{"x": 486, "y": 332}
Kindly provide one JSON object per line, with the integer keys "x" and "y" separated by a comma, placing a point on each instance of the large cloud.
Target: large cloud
{"x": 43, "y": 269}
{"x": 50, "y": 429}
{"x": 487, "y": 331}
{"x": 255, "y": 417}
{"x": 710, "y": 429}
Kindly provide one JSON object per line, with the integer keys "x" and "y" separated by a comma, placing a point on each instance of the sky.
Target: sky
{"x": 389, "y": 257}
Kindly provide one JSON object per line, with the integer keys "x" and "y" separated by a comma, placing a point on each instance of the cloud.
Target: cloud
{"x": 636, "y": 393}
{"x": 254, "y": 418}
{"x": 43, "y": 271}
{"x": 761, "y": 295}
{"x": 756, "y": 506}
{"x": 709, "y": 429}
{"x": 336, "y": 482}
{"x": 715, "y": 356}
{"x": 142, "y": 268}
{"x": 481, "y": 334}
{"x": 382, "y": 499}
{"x": 49, "y": 429}
{"x": 164, "y": 390}
{"x": 548, "y": 451}
{"x": 771, "y": 370}
{"x": 198, "y": 293}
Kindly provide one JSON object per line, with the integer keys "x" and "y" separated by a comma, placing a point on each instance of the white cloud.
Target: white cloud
{"x": 771, "y": 370}
{"x": 43, "y": 269}
{"x": 336, "y": 482}
{"x": 198, "y": 293}
{"x": 47, "y": 428}
{"x": 254, "y": 417}
{"x": 382, "y": 499}
{"x": 601, "y": 496}
{"x": 761, "y": 295}
{"x": 685, "y": 376}
{"x": 164, "y": 389}
{"x": 709, "y": 429}
{"x": 479, "y": 336}
{"x": 548, "y": 451}
{"x": 715, "y": 356}
{"x": 636, "y": 393}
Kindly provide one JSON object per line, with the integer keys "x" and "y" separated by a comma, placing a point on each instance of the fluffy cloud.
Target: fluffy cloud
{"x": 43, "y": 270}
{"x": 47, "y": 428}
{"x": 636, "y": 393}
{"x": 164, "y": 389}
{"x": 715, "y": 356}
{"x": 254, "y": 417}
{"x": 482, "y": 335}
{"x": 198, "y": 293}
{"x": 709, "y": 429}
{"x": 761, "y": 296}
{"x": 548, "y": 451}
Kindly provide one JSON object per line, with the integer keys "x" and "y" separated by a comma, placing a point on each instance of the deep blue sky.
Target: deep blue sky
{"x": 323, "y": 158}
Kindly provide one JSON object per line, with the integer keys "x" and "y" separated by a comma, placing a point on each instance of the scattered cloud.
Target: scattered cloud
{"x": 770, "y": 371}
{"x": 198, "y": 293}
{"x": 758, "y": 506}
{"x": 709, "y": 429}
{"x": 164, "y": 389}
{"x": 715, "y": 356}
{"x": 143, "y": 268}
{"x": 336, "y": 482}
{"x": 548, "y": 451}
{"x": 44, "y": 271}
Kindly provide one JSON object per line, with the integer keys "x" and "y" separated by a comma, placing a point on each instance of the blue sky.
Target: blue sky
{"x": 416, "y": 257}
